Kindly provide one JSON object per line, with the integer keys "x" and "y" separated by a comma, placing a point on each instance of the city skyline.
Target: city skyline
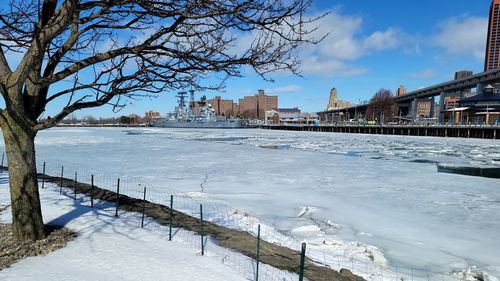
{"x": 375, "y": 48}
{"x": 372, "y": 45}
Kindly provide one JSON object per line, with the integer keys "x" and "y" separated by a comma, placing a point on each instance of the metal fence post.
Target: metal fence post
{"x": 1, "y": 166}
{"x": 170, "y": 218}
{"x": 92, "y": 191}
{"x": 302, "y": 259}
{"x": 201, "y": 228}
{"x": 143, "y": 208}
{"x": 61, "y": 183}
{"x": 76, "y": 177}
{"x": 117, "y": 196}
{"x": 43, "y": 179}
{"x": 258, "y": 254}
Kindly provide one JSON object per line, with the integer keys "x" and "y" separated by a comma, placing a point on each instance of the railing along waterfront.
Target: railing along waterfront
{"x": 484, "y": 132}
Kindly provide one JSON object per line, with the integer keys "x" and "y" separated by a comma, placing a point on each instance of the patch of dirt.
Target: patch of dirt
{"x": 12, "y": 250}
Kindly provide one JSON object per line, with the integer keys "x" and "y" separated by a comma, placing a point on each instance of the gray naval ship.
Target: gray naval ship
{"x": 199, "y": 114}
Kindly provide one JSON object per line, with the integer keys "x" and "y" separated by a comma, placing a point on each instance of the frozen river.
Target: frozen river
{"x": 342, "y": 192}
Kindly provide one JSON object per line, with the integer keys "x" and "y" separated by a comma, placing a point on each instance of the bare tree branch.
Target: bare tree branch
{"x": 127, "y": 48}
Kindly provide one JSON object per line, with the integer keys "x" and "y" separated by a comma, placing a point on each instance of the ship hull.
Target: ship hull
{"x": 206, "y": 124}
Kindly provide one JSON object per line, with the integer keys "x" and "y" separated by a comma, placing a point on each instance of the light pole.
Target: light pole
{"x": 488, "y": 90}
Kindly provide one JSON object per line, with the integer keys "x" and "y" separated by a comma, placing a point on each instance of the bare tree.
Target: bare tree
{"x": 87, "y": 53}
{"x": 381, "y": 106}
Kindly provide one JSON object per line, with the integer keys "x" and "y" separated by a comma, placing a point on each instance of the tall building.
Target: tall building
{"x": 224, "y": 107}
{"x": 463, "y": 73}
{"x": 256, "y": 106}
{"x": 493, "y": 42}
{"x": 334, "y": 102}
{"x": 401, "y": 91}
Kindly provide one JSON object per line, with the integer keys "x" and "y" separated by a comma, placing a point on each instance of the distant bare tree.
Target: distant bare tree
{"x": 249, "y": 114}
{"x": 381, "y": 106}
{"x": 87, "y": 53}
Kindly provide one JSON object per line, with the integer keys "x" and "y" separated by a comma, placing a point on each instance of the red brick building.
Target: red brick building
{"x": 224, "y": 107}
{"x": 256, "y": 106}
{"x": 401, "y": 91}
{"x": 493, "y": 42}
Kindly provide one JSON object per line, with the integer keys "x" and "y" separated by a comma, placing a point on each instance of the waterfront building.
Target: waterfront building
{"x": 256, "y": 106}
{"x": 294, "y": 110}
{"x": 401, "y": 91}
{"x": 463, "y": 74}
{"x": 298, "y": 118}
{"x": 334, "y": 102}
{"x": 290, "y": 116}
{"x": 151, "y": 115}
{"x": 483, "y": 108}
{"x": 493, "y": 40}
{"x": 224, "y": 107}
{"x": 271, "y": 117}
{"x": 424, "y": 108}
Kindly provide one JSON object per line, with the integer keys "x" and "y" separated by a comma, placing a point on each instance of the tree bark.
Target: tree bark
{"x": 25, "y": 200}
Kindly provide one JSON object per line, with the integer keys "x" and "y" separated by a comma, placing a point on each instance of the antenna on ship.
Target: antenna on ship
{"x": 182, "y": 99}
{"x": 191, "y": 101}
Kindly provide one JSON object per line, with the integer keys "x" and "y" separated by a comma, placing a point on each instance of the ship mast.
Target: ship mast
{"x": 181, "y": 109}
{"x": 191, "y": 101}
{"x": 182, "y": 99}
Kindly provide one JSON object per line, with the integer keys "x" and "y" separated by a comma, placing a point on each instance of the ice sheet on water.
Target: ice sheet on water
{"x": 406, "y": 210}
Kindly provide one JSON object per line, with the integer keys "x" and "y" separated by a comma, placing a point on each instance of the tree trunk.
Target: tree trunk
{"x": 19, "y": 139}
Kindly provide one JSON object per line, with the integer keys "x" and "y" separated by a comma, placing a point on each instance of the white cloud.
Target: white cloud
{"x": 426, "y": 73}
{"x": 463, "y": 36}
{"x": 342, "y": 42}
{"x": 328, "y": 67}
{"x": 285, "y": 89}
{"x": 345, "y": 43}
{"x": 379, "y": 40}
{"x": 333, "y": 56}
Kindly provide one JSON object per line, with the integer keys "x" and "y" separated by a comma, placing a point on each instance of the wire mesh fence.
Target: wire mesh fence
{"x": 82, "y": 183}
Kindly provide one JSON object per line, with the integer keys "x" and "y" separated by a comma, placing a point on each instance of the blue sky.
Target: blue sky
{"x": 373, "y": 45}
{"x": 378, "y": 44}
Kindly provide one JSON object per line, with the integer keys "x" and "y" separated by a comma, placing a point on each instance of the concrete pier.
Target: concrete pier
{"x": 482, "y": 132}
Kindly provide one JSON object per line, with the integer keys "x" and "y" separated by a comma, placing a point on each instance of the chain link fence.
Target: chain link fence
{"x": 69, "y": 179}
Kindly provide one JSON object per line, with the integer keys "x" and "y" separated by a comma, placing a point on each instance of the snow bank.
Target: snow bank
{"x": 109, "y": 248}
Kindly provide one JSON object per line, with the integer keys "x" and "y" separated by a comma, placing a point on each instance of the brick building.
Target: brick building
{"x": 224, "y": 107}
{"x": 401, "y": 91}
{"x": 424, "y": 105}
{"x": 463, "y": 74}
{"x": 424, "y": 108}
{"x": 256, "y": 106}
{"x": 492, "y": 60}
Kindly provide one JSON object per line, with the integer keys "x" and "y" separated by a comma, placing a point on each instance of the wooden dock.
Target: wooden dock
{"x": 482, "y": 132}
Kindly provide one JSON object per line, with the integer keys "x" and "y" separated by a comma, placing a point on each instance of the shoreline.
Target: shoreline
{"x": 479, "y": 132}
{"x": 241, "y": 241}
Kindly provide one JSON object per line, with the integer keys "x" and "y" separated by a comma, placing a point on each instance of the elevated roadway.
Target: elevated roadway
{"x": 408, "y": 103}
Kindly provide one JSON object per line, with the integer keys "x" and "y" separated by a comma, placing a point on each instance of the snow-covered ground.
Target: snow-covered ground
{"x": 109, "y": 248}
{"x": 369, "y": 197}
